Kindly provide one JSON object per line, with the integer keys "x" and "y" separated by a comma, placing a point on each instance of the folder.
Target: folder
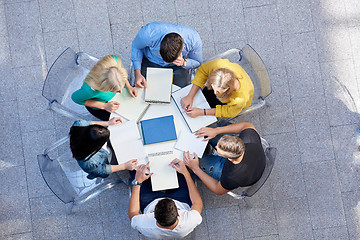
{"x": 157, "y": 130}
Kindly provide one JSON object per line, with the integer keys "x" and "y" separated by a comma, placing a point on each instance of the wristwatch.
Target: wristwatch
{"x": 185, "y": 62}
{"x": 134, "y": 182}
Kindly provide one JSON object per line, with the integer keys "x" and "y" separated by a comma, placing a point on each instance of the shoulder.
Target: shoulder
{"x": 81, "y": 123}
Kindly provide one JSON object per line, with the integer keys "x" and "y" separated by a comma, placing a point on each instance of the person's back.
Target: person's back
{"x": 251, "y": 167}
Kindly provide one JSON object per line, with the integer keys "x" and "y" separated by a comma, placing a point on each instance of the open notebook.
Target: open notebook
{"x": 165, "y": 176}
{"x": 159, "y": 82}
{"x": 199, "y": 102}
{"x": 131, "y": 108}
{"x": 126, "y": 142}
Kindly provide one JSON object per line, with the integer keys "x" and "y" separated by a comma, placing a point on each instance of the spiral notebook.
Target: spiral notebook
{"x": 159, "y": 83}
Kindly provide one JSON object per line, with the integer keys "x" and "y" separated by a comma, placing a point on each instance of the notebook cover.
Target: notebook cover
{"x": 159, "y": 84}
{"x": 157, "y": 130}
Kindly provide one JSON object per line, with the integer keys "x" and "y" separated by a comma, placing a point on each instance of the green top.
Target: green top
{"x": 86, "y": 92}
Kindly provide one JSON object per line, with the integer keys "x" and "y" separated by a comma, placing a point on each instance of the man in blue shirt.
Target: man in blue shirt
{"x": 167, "y": 45}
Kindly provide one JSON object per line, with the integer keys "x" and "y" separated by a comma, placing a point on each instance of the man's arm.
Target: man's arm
{"x": 236, "y": 128}
{"x": 213, "y": 184}
{"x": 195, "y": 197}
{"x": 195, "y": 54}
{"x": 140, "y": 42}
{"x": 134, "y": 203}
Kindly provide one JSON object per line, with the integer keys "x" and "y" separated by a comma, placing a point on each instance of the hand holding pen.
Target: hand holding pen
{"x": 179, "y": 166}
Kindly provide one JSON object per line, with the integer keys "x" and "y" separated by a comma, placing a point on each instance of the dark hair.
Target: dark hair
{"x": 171, "y": 47}
{"x": 85, "y": 141}
{"x": 166, "y": 212}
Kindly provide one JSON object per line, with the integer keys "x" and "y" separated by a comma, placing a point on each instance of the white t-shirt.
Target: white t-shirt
{"x": 146, "y": 223}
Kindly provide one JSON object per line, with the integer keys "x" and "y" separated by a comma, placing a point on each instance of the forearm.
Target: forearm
{"x": 210, "y": 182}
{"x": 210, "y": 111}
{"x": 137, "y": 73}
{"x": 134, "y": 203}
{"x": 101, "y": 123}
{"x": 193, "y": 191}
{"x": 234, "y": 128}
{"x": 95, "y": 104}
{"x": 116, "y": 168}
{"x": 194, "y": 89}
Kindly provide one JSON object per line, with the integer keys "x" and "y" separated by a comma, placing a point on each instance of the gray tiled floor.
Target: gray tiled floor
{"x": 311, "y": 49}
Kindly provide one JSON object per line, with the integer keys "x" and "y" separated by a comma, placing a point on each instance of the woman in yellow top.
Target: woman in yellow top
{"x": 231, "y": 85}
{"x": 104, "y": 80}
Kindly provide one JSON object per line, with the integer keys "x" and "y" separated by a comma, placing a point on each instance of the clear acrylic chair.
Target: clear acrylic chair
{"x": 66, "y": 179}
{"x": 65, "y": 76}
{"x": 254, "y": 66}
{"x": 244, "y": 192}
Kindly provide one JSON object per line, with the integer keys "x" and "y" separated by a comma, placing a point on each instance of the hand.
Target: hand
{"x": 179, "y": 62}
{"x": 111, "y": 106}
{"x": 179, "y": 166}
{"x": 140, "y": 81}
{"x": 133, "y": 91}
{"x": 206, "y": 132}
{"x": 186, "y": 102}
{"x": 114, "y": 121}
{"x": 194, "y": 112}
{"x": 192, "y": 163}
{"x": 131, "y": 165}
{"x": 141, "y": 175}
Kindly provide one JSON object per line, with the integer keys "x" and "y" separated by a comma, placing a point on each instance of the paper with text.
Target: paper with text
{"x": 165, "y": 176}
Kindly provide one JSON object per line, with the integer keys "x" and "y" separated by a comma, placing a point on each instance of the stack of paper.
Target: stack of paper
{"x": 165, "y": 176}
{"x": 126, "y": 142}
{"x": 159, "y": 82}
{"x": 131, "y": 108}
{"x": 157, "y": 130}
{"x": 199, "y": 102}
{"x": 189, "y": 142}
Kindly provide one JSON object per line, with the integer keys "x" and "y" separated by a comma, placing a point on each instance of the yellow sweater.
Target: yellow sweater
{"x": 239, "y": 99}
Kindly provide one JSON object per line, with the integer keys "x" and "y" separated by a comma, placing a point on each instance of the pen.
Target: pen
{"x": 174, "y": 162}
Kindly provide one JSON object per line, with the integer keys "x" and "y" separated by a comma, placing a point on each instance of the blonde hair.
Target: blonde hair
{"x": 222, "y": 78}
{"x": 107, "y": 75}
{"x": 232, "y": 147}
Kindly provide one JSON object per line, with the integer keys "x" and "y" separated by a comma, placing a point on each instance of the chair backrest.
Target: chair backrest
{"x": 65, "y": 178}
{"x": 252, "y": 63}
{"x": 242, "y": 192}
{"x": 65, "y": 76}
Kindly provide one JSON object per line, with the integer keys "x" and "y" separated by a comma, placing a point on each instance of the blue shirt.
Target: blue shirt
{"x": 147, "y": 42}
{"x": 98, "y": 165}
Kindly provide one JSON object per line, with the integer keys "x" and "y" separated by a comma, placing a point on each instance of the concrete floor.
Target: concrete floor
{"x": 308, "y": 46}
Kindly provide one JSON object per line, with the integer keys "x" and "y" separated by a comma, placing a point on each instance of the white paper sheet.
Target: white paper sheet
{"x": 131, "y": 108}
{"x": 199, "y": 102}
{"x": 126, "y": 142}
{"x": 164, "y": 176}
{"x": 189, "y": 142}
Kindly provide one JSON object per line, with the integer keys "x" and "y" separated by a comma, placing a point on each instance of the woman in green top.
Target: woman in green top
{"x": 104, "y": 80}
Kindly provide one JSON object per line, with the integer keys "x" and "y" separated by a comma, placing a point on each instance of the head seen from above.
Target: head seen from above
{"x": 107, "y": 75}
{"x": 166, "y": 212}
{"x": 171, "y": 47}
{"x": 85, "y": 141}
{"x": 230, "y": 147}
{"x": 223, "y": 82}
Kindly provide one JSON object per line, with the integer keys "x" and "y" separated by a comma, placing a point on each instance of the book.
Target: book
{"x": 159, "y": 129}
{"x": 126, "y": 142}
{"x": 194, "y": 124}
{"x": 164, "y": 175}
{"x": 189, "y": 142}
{"x": 159, "y": 83}
{"x": 131, "y": 108}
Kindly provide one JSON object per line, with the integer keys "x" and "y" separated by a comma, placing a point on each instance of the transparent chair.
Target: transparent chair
{"x": 252, "y": 63}
{"x": 65, "y": 76}
{"x": 66, "y": 179}
{"x": 244, "y": 192}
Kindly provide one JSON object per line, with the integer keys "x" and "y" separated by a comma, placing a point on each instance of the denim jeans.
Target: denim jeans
{"x": 212, "y": 165}
{"x": 180, "y": 194}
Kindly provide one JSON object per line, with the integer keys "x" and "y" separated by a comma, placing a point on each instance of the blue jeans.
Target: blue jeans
{"x": 212, "y": 165}
{"x": 180, "y": 194}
